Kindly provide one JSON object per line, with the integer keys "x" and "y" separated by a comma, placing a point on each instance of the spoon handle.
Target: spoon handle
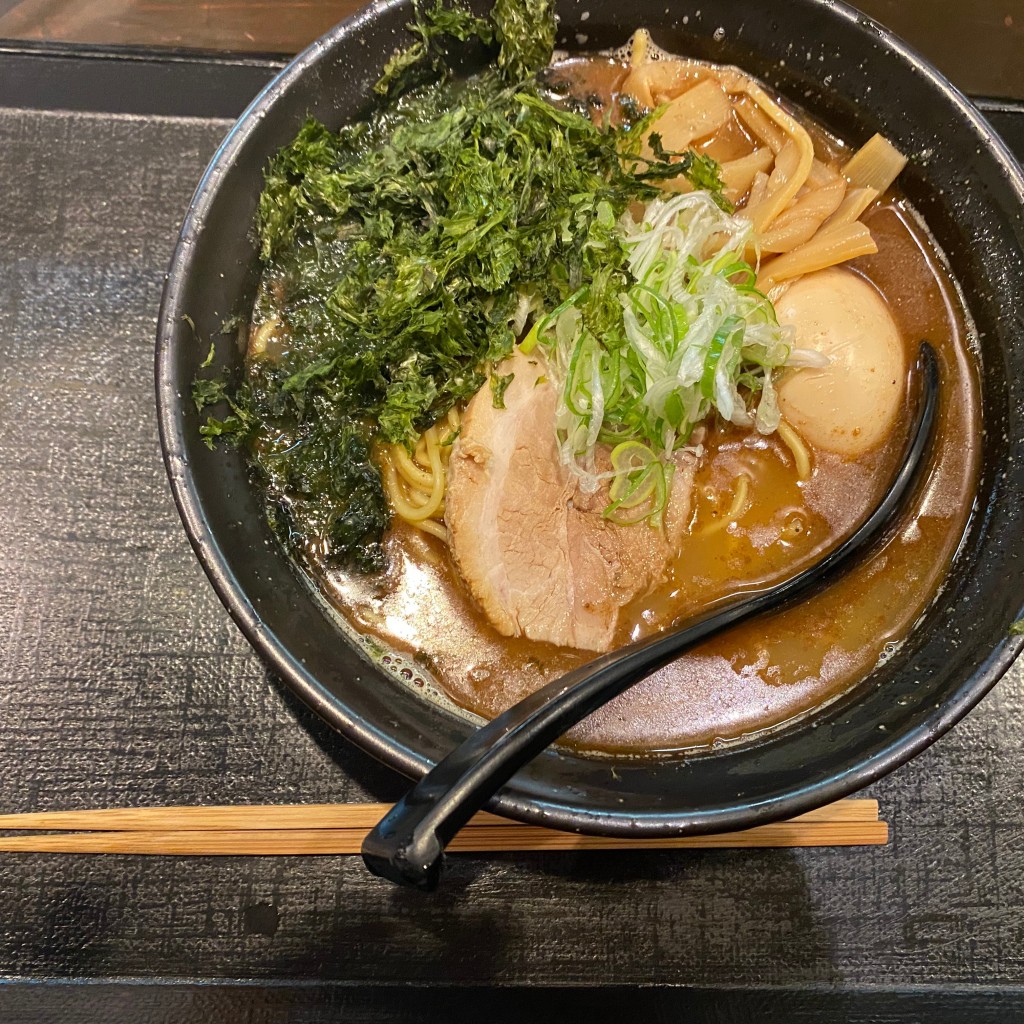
{"x": 407, "y": 845}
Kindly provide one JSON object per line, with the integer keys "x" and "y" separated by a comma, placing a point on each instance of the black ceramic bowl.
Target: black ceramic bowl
{"x": 851, "y": 74}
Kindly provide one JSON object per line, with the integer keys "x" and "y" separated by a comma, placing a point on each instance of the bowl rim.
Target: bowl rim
{"x": 512, "y": 800}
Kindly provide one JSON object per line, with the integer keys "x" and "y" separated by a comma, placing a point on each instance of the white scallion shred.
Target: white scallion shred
{"x": 695, "y": 337}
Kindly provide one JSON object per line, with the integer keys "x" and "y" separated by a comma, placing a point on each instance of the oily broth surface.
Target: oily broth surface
{"x": 768, "y": 672}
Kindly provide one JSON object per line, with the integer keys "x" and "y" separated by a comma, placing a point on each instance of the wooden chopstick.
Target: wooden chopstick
{"x": 484, "y": 838}
{"x": 340, "y": 829}
{"x": 301, "y": 816}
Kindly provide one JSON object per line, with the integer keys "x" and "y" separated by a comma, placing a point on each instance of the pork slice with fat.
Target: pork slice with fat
{"x": 534, "y": 550}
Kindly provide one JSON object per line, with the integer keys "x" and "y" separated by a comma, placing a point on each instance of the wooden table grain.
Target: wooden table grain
{"x": 124, "y": 682}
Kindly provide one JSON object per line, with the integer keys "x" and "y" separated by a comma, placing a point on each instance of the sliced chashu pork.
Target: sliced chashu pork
{"x": 536, "y": 552}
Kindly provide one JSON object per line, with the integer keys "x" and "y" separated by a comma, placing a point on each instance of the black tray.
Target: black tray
{"x": 123, "y": 682}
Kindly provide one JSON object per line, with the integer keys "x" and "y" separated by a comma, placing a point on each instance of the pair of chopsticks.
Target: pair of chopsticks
{"x": 340, "y": 828}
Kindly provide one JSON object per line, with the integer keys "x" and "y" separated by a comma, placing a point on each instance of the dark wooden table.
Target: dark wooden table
{"x": 123, "y": 682}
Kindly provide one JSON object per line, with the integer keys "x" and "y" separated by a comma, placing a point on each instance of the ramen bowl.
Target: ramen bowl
{"x": 850, "y": 74}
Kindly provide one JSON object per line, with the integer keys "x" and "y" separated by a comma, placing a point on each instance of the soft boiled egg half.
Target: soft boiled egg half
{"x": 848, "y": 407}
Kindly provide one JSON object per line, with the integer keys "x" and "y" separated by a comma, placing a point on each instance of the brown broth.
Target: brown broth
{"x": 769, "y": 672}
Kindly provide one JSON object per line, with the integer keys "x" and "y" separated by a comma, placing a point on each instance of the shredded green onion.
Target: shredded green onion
{"x": 640, "y": 369}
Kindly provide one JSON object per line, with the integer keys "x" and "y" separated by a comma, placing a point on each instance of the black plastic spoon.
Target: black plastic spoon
{"x": 407, "y": 845}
